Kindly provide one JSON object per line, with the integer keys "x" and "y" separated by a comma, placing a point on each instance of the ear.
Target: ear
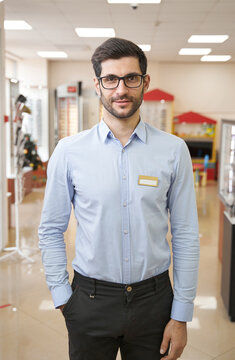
{"x": 146, "y": 83}
{"x": 97, "y": 86}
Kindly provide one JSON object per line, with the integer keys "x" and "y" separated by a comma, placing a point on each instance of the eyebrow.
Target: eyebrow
{"x": 129, "y": 74}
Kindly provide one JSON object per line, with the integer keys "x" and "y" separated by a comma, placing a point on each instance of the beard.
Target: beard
{"x": 136, "y": 102}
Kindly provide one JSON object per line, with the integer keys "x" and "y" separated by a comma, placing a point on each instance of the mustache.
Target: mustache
{"x": 123, "y": 97}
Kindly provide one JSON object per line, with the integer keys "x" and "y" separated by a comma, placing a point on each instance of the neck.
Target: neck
{"x": 121, "y": 128}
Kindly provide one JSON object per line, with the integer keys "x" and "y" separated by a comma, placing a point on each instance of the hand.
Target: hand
{"x": 175, "y": 333}
{"x": 61, "y": 307}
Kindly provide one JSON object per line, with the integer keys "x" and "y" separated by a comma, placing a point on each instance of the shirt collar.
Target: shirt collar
{"x": 104, "y": 130}
{"x": 140, "y": 131}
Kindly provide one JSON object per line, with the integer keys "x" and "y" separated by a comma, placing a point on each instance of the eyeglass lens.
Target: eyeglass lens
{"x": 111, "y": 82}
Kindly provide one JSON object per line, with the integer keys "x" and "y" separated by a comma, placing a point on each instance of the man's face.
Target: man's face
{"x": 121, "y": 102}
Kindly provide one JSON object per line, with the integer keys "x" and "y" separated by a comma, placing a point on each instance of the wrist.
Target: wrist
{"x": 179, "y": 322}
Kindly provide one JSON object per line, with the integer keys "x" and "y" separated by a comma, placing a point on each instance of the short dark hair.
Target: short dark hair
{"x": 116, "y": 48}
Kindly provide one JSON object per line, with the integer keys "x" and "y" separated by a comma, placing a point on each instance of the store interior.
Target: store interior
{"x": 43, "y": 99}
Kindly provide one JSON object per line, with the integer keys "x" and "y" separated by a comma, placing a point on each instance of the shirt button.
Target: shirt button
{"x": 126, "y": 259}
{"x": 124, "y": 204}
{"x": 125, "y": 232}
{"x": 124, "y": 177}
{"x": 123, "y": 150}
{"x": 129, "y": 288}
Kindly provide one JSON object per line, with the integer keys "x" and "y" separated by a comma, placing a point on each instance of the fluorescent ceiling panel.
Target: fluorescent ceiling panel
{"x": 16, "y": 25}
{"x": 95, "y": 32}
{"x": 134, "y": 2}
{"x": 216, "y": 58}
{"x": 145, "y": 47}
{"x": 194, "y": 51}
{"x": 52, "y": 54}
{"x": 208, "y": 38}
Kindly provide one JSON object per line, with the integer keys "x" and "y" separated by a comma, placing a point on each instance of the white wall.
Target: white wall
{"x": 3, "y": 187}
{"x": 201, "y": 87}
{"x": 63, "y": 72}
{"x": 30, "y": 72}
{"x": 206, "y": 88}
{"x": 10, "y": 68}
{"x": 33, "y": 72}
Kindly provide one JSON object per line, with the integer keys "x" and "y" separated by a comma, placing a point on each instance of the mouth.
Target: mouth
{"x": 122, "y": 102}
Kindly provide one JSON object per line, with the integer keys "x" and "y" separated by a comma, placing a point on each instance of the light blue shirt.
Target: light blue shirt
{"x": 121, "y": 224}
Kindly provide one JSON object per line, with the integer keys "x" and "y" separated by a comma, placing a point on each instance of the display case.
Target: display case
{"x": 199, "y": 133}
{"x": 227, "y": 166}
{"x": 227, "y": 196}
{"x": 68, "y": 110}
{"x": 157, "y": 109}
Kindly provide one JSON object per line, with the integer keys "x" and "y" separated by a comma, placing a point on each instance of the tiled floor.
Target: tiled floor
{"x": 31, "y": 329}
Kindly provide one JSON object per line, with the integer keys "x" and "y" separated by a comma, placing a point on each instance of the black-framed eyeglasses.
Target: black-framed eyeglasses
{"x": 112, "y": 81}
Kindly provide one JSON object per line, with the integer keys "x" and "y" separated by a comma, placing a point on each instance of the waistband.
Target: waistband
{"x": 81, "y": 279}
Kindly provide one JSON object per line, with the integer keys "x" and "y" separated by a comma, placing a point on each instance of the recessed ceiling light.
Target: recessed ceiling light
{"x": 207, "y": 38}
{"x": 95, "y": 32}
{"x": 52, "y": 54}
{"x": 145, "y": 47}
{"x": 16, "y": 25}
{"x": 194, "y": 51}
{"x": 216, "y": 58}
{"x": 134, "y": 2}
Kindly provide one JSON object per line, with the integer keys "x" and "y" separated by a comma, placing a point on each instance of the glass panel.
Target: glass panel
{"x": 227, "y": 166}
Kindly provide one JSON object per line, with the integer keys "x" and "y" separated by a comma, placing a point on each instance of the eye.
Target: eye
{"x": 110, "y": 78}
{"x": 132, "y": 78}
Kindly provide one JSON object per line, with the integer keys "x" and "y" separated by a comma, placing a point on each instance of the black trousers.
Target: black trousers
{"x": 102, "y": 317}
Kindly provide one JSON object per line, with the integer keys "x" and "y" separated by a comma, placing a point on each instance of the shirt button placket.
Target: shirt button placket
{"x": 125, "y": 218}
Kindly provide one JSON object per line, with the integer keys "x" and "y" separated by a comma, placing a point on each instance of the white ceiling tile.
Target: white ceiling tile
{"x": 187, "y": 7}
{"x": 192, "y": 1}
{"x": 82, "y": 7}
{"x": 223, "y": 8}
{"x": 183, "y": 18}
{"x": 121, "y": 9}
{"x": 33, "y": 7}
{"x": 166, "y": 26}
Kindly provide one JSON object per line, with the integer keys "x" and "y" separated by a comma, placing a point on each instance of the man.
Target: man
{"x": 123, "y": 177}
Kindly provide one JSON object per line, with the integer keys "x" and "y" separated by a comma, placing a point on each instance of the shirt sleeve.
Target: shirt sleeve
{"x": 54, "y": 222}
{"x": 185, "y": 237}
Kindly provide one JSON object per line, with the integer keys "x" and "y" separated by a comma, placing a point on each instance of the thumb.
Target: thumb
{"x": 165, "y": 343}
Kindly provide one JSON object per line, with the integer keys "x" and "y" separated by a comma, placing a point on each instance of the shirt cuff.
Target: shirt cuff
{"x": 182, "y": 311}
{"x": 61, "y": 294}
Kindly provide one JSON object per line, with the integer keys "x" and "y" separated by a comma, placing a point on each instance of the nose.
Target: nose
{"x": 121, "y": 89}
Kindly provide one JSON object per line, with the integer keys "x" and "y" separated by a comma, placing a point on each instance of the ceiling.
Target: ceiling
{"x": 166, "y": 26}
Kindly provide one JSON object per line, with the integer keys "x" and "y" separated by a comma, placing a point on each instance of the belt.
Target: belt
{"x": 94, "y": 285}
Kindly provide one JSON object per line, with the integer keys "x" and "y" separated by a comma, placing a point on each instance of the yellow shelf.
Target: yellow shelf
{"x": 196, "y": 137}
{"x": 201, "y": 161}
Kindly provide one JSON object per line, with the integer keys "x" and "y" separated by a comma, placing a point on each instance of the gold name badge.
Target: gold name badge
{"x": 148, "y": 180}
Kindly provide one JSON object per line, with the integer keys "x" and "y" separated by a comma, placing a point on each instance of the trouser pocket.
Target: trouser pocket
{"x": 73, "y": 298}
